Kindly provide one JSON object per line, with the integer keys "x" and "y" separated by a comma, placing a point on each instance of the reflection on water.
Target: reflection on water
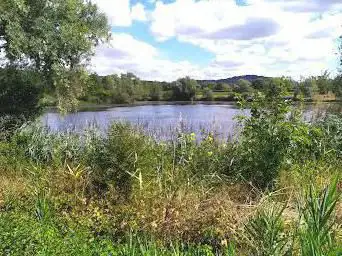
{"x": 163, "y": 120}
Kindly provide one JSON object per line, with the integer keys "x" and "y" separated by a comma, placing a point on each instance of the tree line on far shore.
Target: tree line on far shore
{"x": 128, "y": 88}
{"x": 22, "y": 89}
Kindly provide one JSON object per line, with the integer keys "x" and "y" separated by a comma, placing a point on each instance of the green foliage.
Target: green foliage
{"x": 82, "y": 194}
{"x": 277, "y": 87}
{"x": 21, "y": 234}
{"x": 266, "y": 232}
{"x": 308, "y": 87}
{"x": 54, "y": 38}
{"x": 271, "y": 138}
{"x": 121, "y": 159}
{"x": 243, "y": 86}
{"x": 9, "y": 124}
{"x": 337, "y": 86}
{"x": 156, "y": 92}
{"x": 19, "y": 99}
{"x": 259, "y": 84}
{"x": 324, "y": 83}
{"x": 184, "y": 89}
{"x": 19, "y": 92}
{"x": 125, "y": 89}
{"x": 43, "y": 146}
{"x": 223, "y": 87}
{"x": 332, "y": 127}
{"x": 314, "y": 233}
{"x": 317, "y": 212}
{"x": 208, "y": 95}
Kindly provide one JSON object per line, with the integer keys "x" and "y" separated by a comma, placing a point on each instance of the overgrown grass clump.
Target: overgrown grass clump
{"x": 273, "y": 191}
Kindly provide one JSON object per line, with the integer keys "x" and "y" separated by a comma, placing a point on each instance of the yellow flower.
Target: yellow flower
{"x": 210, "y": 153}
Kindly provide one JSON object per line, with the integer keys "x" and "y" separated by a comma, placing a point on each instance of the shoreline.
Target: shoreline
{"x": 83, "y": 106}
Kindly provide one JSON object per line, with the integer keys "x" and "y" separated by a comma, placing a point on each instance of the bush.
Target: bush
{"x": 9, "y": 124}
{"x": 124, "y": 152}
{"x": 208, "y": 95}
{"x": 271, "y": 138}
{"x": 19, "y": 92}
{"x": 332, "y": 127}
{"x": 19, "y": 99}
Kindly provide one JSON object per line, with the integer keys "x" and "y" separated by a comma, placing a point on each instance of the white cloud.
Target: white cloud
{"x": 120, "y": 13}
{"x": 126, "y": 54}
{"x": 295, "y": 37}
{"x": 117, "y": 11}
{"x": 138, "y": 12}
{"x": 266, "y": 37}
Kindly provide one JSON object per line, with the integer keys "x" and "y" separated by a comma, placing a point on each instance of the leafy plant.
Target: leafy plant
{"x": 266, "y": 232}
{"x": 317, "y": 213}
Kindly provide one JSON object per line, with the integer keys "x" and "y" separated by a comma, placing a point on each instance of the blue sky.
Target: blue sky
{"x": 210, "y": 39}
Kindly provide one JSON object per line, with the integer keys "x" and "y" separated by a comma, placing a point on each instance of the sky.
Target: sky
{"x": 211, "y": 39}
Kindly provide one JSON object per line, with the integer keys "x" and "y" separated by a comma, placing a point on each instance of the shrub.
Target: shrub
{"x": 209, "y": 95}
{"x": 272, "y": 136}
{"x": 9, "y": 124}
{"x": 122, "y": 156}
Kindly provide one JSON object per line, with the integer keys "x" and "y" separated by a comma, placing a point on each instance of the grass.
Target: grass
{"x": 217, "y": 95}
{"x": 127, "y": 193}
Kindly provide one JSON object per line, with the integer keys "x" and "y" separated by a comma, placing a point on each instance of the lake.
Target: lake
{"x": 161, "y": 120}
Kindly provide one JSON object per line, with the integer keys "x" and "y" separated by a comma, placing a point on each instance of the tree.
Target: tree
{"x": 222, "y": 87}
{"x": 323, "y": 83}
{"x": 337, "y": 86}
{"x": 19, "y": 92}
{"x": 308, "y": 87}
{"x": 155, "y": 92}
{"x": 243, "y": 86}
{"x": 108, "y": 82}
{"x": 55, "y": 38}
{"x": 259, "y": 84}
{"x": 277, "y": 86}
{"x": 184, "y": 89}
{"x": 208, "y": 95}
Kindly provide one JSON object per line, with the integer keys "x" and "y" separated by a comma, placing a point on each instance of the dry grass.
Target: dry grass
{"x": 12, "y": 187}
{"x": 324, "y": 97}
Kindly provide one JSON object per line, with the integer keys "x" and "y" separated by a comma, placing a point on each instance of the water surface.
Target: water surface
{"x": 161, "y": 120}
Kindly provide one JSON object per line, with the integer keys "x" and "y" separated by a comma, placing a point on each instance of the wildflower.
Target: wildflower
{"x": 193, "y": 136}
{"x": 224, "y": 242}
{"x": 210, "y": 153}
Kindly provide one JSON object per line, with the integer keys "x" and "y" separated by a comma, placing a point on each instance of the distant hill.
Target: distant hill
{"x": 232, "y": 80}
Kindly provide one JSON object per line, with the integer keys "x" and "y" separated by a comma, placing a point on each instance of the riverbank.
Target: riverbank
{"x": 84, "y": 106}
{"x": 129, "y": 194}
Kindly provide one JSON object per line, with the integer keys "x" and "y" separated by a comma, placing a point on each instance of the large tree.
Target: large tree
{"x": 54, "y": 38}
{"x": 185, "y": 89}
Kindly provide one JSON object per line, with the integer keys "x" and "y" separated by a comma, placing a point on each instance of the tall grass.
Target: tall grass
{"x": 127, "y": 193}
{"x": 317, "y": 213}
